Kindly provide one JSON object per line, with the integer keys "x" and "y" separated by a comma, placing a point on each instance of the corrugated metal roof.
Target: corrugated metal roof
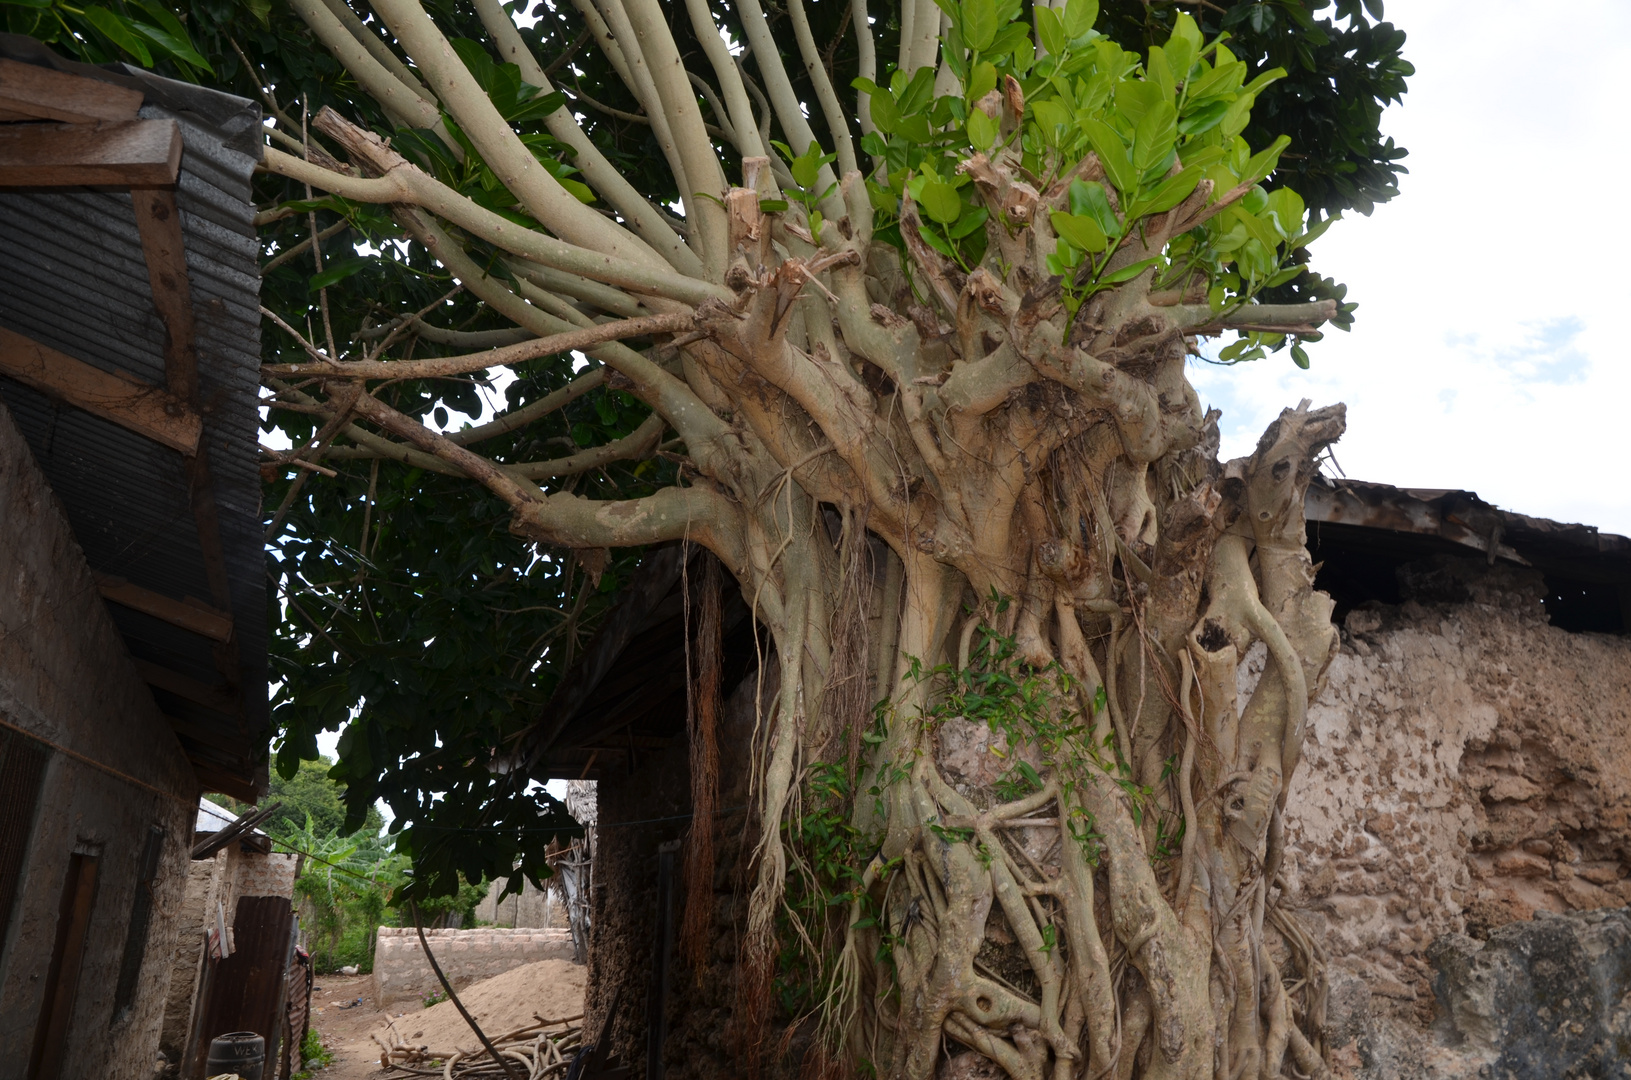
{"x": 73, "y": 276}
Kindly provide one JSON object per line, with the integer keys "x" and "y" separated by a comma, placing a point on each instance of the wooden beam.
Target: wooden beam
{"x": 127, "y": 401}
{"x": 158, "y": 219}
{"x": 189, "y": 614}
{"x": 220, "y": 697}
{"x": 146, "y": 152}
{"x": 31, "y": 92}
{"x": 205, "y": 736}
{"x": 213, "y": 778}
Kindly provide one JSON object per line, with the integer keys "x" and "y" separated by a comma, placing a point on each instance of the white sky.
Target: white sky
{"x": 1486, "y": 354}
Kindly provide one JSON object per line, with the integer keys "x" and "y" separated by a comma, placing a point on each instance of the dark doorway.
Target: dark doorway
{"x": 62, "y": 980}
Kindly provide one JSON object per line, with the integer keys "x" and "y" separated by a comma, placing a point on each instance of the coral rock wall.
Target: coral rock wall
{"x": 1467, "y": 765}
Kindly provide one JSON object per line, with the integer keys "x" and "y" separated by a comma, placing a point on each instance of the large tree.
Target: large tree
{"x": 911, "y": 346}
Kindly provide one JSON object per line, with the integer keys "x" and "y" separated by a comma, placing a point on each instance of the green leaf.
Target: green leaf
{"x": 982, "y": 130}
{"x": 1154, "y": 137}
{"x": 1315, "y": 232}
{"x": 118, "y": 30}
{"x": 1184, "y": 30}
{"x": 1091, "y": 199}
{"x": 183, "y": 47}
{"x": 979, "y": 23}
{"x": 1080, "y": 231}
{"x": 938, "y": 242}
{"x": 1050, "y": 30}
{"x": 969, "y": 222}
{"x": 941, "y": 201}
{"x": 1112, "y": 154}
{"x": 1171, "y": 192}
{"x": 885, "y": 116}
{"x": 1239, "y": 114}
{"x": 1135, "y": 99}
{"x": 1198, "y": 121}
{"x": 1007, "y": 40}
{"x": 1080, "y": 15}
{"x": 981, "y": 81}
{"x": 1259, "y": 165}
{"x": 805, "y": 171}
{"x": 919, "y": 92}
{"x": 772, "y": 206}
{"x": 1160, "y": 72}
{"x": 1127, "y": 273}
{"x": 337, "y": 272}
{"x": 1299, "y": 356}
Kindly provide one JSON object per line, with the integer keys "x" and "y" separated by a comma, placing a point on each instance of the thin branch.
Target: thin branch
{"x": 837, "y": 124}
{"x": 592, "y": 165}
{"x": 442, "y": 366}
{"x": 284, "y": 256}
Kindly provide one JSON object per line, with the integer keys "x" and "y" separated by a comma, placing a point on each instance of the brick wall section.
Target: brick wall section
{"x": 401, "y": 972}
{"x": 65, "y": 677}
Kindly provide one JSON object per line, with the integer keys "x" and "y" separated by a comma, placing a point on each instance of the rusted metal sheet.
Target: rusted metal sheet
{"x": 246, "y": 991}
{"x": 1462, "y": 518}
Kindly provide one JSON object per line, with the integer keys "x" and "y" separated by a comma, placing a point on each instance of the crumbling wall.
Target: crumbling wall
{"x": 1467, "y": 765}
{"x": 114, "y": 771}
{"x": 401, "y": 972}
{"x": 214, "y": 886}
{"x": 638, "y": 811}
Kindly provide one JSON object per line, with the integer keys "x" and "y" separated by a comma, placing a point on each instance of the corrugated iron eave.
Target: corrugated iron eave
{"x": 75, "y": 278}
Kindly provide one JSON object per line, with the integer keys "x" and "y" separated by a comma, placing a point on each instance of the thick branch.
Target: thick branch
{"x": 500, "y": 147}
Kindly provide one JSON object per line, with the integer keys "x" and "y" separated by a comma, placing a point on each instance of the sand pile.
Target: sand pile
{"x": 553, "y": 989}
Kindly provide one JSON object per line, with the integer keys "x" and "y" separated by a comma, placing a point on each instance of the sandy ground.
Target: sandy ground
{"x": 343, "y": 1014}
{"x": 345, "y": 1030}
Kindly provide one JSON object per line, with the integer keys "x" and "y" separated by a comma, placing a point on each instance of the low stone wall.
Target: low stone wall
{"x": 401, "y": 972}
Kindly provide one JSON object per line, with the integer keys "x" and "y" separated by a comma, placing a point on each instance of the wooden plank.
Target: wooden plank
{"x": 189, "y": 614}
{"x": 145, "y": 152}
{"x": 205, "y": 736}
{"x": 158, "y": 219}
{"x": 221, "y": 698}
{"x": 127, "y": 401}
{"x": 38, "y": 93}
{"x": 212, "y": 778}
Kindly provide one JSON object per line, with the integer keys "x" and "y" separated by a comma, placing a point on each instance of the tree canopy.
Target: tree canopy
{"x": 890, "y": 310}
{"x": 437, "y": 563}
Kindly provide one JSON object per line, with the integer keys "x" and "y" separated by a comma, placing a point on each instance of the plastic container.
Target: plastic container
{"x": 240, "y": 1052}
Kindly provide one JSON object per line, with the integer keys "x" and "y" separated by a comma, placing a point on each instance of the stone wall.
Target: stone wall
{"x": 1467, "y": 766}
{"x": 114, "y": 771}
{"x": 530, "y": 909}
{"x": 401, "y": 972}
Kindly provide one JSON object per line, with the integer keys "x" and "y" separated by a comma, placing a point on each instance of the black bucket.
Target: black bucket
{"x": 241, "y": 1052}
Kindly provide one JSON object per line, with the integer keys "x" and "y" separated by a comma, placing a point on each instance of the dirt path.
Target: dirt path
{"x": 345, "y": 1030}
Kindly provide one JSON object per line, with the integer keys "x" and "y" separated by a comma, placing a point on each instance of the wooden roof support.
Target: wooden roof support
{"x": 213, "y": 778}
{"x": 220, "y": 697}
{"x": 158, "y": 219}
{"x": 125, "y": 400}
{"x": 123, "y": 154}
{"x": 189, "y": 614}
{"x": 31, "y": 92}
